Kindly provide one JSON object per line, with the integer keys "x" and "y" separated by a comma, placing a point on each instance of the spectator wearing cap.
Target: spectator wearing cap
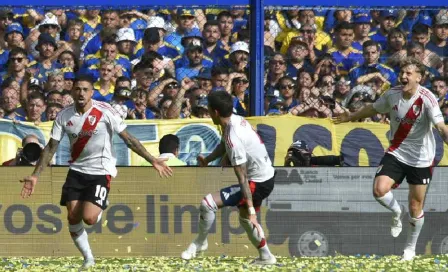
{"x": 225, "y": 23}
{"x": 153, "y": 41}
{"x": 108, "y": 51}
{"x": 126, "y": 42}
{"x": 186, "y": 23}
{"x": 439, "y": 89}
{"x": 371, "y": 52}
{"x": 10, "y": 103}
{"x": 14, "y": 36}
{"x": 362, "y": 22}
{"x": 55, "y": 81}
{"x": 6, "y": 18}
{"x": 387, "y": 19}
{"x": 17, "y": 63}
{"x": 220, "y": 78}
{"x": 414, "y": 17}
{"x": 193, "y": 61}
{"x": 345, "y": 56}
{"x": 321, "y": 39}
{"x": 439, "y": 41}
{"x": 205, "y": 79}
{"x": 46, "y": 63}
{"x": 238, "y": 87}
{"x": 238, "y": 58}
{"x": 213, "y": 46}
{"x": 297, "y": 57}
{"x": 52, "y": 111}
{"x": 69, "y": 78}
{"x": 276, "y": 106}
{"x": 50, "y": 26}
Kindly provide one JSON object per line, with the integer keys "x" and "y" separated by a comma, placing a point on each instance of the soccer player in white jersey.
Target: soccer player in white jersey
{"x": 413, "y": 111}
{"x": 89, "y": 125}
{"x": 254, "y": 171}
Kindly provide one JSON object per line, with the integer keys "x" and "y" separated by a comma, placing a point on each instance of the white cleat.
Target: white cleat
{"x": 193, "y": 249}
{"x": 87, "y": 264}
{"x": 397, "y": 226}
{"x": 269, "y": 261}
{"x": 408, "y": 255}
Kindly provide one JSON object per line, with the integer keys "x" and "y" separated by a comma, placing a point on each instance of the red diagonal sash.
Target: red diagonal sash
{"x": 86, "y": 133}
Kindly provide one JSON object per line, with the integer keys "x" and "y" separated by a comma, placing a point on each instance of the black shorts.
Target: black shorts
{"x": 396, "y": 170}
{"x": 232, "y": 195}
{"x": 85, "y": 187}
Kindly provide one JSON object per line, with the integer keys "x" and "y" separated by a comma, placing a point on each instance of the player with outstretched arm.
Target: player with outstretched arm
{"x": 253, "y": 168}
{"x": 413, "y": 111}
{"x": 90, "y": 126}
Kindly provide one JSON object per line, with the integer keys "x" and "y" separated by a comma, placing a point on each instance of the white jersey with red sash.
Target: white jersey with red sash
{"x": 411, "y": 138}
{"x": 90, "y": 136}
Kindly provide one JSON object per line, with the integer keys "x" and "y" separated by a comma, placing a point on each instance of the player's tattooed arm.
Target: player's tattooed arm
{"x": 135, "y": 145}
{"x": 46, "y": 156}
{"x": 241, "y": 173}
{"x": 219, "y": 151}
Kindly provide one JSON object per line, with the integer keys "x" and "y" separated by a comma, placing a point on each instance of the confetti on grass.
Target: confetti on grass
{"x": 229, "y": 263}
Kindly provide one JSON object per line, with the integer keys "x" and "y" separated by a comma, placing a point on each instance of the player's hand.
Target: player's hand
{"x": 342, "y": 118}
{"x": 28, "y": 186}
{"x": 163, "y": 169}
{"x": 253, "y": 220}
{"x": 202, "y": 161}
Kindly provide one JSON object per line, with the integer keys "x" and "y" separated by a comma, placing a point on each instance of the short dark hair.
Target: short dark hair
{"x": 439, "y": 78}
{"x": 36, "y": 95}
{"x": 168, "y": 144}
{"x": 55, "y": 105}
{"x": 211, "y": 23}
{"x": 109, "y": 40}
{"x": 84, "y": 77}
{"x": 53, "y": 92}
{"x": 222, "y": 102}
{"x": 224, "y": 13}
{"x": 122, "y": 79}
{"x": 421, "y": 69}
{"x": 371, "y": 43}
{"x": 420, "y": 29}
{"x": 413, "y": 45}
{"x": 343, "y": 25}
{"x": 18, "y": 50}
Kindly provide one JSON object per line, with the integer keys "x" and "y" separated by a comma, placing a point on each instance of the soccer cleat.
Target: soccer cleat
{"x": 193, "y": 249}
{"x": 87, "y": 264}
{"x": 397, "y": 226}
{"x": 408, "y": 254}
{"x": 269, "y": 261}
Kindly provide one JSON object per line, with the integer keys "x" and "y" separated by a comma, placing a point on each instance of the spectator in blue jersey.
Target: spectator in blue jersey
{"x": 17, "y": 63}
{"x": 10, "y": 102}
{"x": 92, "y": 22}
{"x": 226, "y": 23}
{"x": 297, "y": 57}
{"x": 105, "y": 86}
{"x": 126, "y": 42}
{"x": 345, "y": 56}
{"x": 417, "y": 50}
{"x": 14, "y": 36}
{"x": 108, "y": 51}
{"x": 238, "y": 86}
{"x": 362, "y": 22}
{"x": 439, "y": 41}
{"x": 387, "y": 22}
{"x": 69, "y": 78}
{"x": 220, "y": 77}
{"x": 288, "y": 91}
{"x": 204, "y": 79}
{"x": 336, "y": 17}
{"x": 46, "y": 63}
{"x": 186, "y": 22}
{"x": 239, "y": 20}
{"x": 6, "y": 18}
{"x": 414, "y": 17}
{"x": 141, "y": 111}
{"x": 371, "y": 53}
{"x": 439, "y": 89}
{"x": 213, "y": 46}
{"x": 194, "y": 61}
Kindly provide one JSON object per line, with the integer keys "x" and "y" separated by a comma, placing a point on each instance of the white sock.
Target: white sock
{"x": 207, "y": 210}
{"x": 256, "y": 236}
{"x": 99, "y": 217}
{"x": 389, "y": 202}
{"x": 415, "y": 227}
{"x": 80, "y": 237}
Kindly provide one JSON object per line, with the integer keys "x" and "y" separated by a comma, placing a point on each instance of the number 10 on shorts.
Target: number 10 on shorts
{"x": 101, "y": 193}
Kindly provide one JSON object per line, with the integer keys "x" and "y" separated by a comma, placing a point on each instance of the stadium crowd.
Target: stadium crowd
{"x": 162, "y": 64}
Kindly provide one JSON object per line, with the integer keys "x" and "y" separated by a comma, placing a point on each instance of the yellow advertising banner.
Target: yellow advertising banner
{"x": 361, "y": 144}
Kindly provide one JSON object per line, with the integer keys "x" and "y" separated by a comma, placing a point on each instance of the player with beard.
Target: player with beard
{"x": 89, "y": 125}
{"x": 256, "y": 176}
{"x": 413, "y": 111}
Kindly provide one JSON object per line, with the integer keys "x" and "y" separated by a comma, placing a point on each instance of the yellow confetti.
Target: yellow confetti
{"x": 138, "y": 208}
{"x": 105, "y": 223}
{"x": 54, "y": 228}
{"x": 119, "y": 237}
{"x": 116, "y": 250}
{"x": 178, "y": 245}
{"x": 129, "y": 249}
{"x": 246, "y": 246}
{"x": 318, "y": 243}
{"x": 146, "y": 239}
{"x": 217, "y": 244}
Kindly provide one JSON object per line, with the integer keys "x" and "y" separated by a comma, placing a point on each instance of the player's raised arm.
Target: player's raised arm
{"x": 30, "y": 182}
{"x": 218, "y": 152}
{"x": 135, "y": 145}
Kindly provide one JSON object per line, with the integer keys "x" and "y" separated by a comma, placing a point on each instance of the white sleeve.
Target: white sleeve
{"x": 434, "y": 113}
{"x": 57, "y": 131}
{"x": 235, "y": 149}
{"x": 116, "y": 122}
{"x": 382, "y": 104}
